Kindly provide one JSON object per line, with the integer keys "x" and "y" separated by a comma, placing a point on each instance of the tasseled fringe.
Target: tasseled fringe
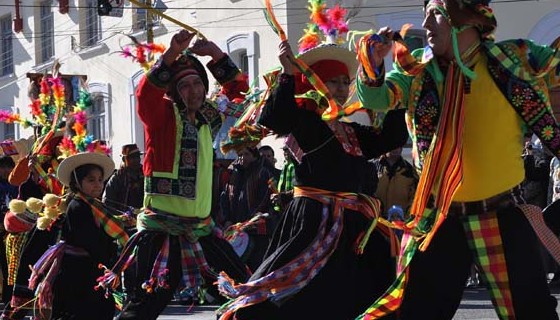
{"x": 159, "y": 281}
{"x": 45, "y": 263}
{"x": 226, "y": 285}
{"x": 45, "y": 288}
{"x": 110, "y": 280}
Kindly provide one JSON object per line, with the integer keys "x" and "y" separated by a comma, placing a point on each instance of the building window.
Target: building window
{"x": 92, "y": 24}
{"x": 244, "y": 62}
{"x": 7, "y": 130}
{"x": 6, "y": 49}
{"x": 97, "y": 118}
{"x": 47, "y": 31}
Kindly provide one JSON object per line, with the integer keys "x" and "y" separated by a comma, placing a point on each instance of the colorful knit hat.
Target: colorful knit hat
{"x": 468, "y": 12}
{"x": 187, "y": 64}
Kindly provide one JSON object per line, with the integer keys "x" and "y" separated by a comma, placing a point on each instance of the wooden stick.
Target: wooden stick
{"x": 161, "y": 14}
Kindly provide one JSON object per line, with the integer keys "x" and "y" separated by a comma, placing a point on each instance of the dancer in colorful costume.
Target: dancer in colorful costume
{"x": 64, "y": 278}
{"x": 469, "y": 101}
{"x": 326, "y": 247}
{"x": 31, "y": 234}
{"x": 177, "y": 244}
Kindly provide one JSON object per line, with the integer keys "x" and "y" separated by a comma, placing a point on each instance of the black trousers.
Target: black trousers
{"x": 147, "y": 306}
{"x": 438, "y": 275}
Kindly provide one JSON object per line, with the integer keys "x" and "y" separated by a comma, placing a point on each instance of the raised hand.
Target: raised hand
{"x": 203, "y": 47}
{"x": 285, "y": 56}
{"x": 179, "y": 42}
{"x": 382, "y": 49}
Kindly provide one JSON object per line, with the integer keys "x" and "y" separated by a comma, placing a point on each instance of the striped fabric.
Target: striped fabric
{"x": 392, "y": 299}
{"x": 193, "y": 262}
{"x": 14, "y": 248}
{"x": 296, "y": 274}
{"x": 484, "y": 239}
{"x": 111, "y": 225}
{"x": 286, "y": 180}
{"x": 442, "y": 175}
{"x": 546, "y": 236}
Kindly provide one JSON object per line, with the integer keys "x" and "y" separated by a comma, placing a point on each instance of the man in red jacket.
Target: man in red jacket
{"x": 178, "y": 246}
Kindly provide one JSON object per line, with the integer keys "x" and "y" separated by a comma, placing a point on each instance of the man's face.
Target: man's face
{"x": 133, "y": 161}
{"x": 339, "y": 87}
{"x": 192, "y": 92}
{"x": 438, "y": 31}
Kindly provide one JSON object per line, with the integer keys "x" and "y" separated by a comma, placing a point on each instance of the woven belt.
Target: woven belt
{"x": 499, "y": 201}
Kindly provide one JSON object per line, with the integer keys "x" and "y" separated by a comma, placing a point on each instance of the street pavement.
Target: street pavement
{"x": 476, "y": 304}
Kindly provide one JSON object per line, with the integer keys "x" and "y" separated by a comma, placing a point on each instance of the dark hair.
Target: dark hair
{"x": 7, "y": 162}
{"x": 254, "y": 151}
{"x": 266, "y": 148}
{"x": 80, "y": 173}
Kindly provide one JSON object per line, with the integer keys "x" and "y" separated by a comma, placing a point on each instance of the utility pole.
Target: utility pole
{"x": 149, "y": 26}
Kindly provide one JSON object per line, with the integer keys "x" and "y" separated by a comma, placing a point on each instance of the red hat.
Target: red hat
{"x": 327, "y": 61}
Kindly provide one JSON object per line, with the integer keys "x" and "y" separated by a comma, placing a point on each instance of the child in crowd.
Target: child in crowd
{"x": 70, "y": 269}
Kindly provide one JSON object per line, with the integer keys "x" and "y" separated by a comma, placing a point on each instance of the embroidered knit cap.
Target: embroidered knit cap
{"x": 468, "y": 12}
{"x": 187, "y": 64}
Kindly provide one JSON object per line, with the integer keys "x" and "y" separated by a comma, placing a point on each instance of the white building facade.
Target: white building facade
{"x": 36, "y": 32}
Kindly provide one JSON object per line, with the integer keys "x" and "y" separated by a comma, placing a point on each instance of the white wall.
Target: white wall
{"x": 228, "y": 21}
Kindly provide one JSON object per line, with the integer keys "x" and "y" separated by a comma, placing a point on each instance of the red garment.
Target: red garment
{"x": 156, "y": 111}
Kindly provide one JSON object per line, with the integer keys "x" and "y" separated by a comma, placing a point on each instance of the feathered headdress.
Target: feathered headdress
{"x": 326, "y": 26}
{"x": 78, "y": 140}
{"x": 139, "y": 52}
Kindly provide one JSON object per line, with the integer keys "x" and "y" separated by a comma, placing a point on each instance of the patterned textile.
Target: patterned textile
{"x": 112, "y": 226}
{"x": 14, "y": 248}
{"x": 286, "y": 180}
{"x": 443, "y": 168}
{"x": 185, "y": 185}
{"x": 296, "y": 274}
{"x": 193, "y": 262}
{"x": 347, "y": 138}
{"x": 483, "y": 234}
{"x": 44, "y": 274}
{"x": 546, "y": 236}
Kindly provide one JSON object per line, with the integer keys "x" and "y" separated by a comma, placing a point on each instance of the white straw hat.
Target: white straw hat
{"x": 68, "y": 165}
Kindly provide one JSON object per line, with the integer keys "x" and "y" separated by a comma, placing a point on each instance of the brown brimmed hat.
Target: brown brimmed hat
{"x": 130, "y": 149}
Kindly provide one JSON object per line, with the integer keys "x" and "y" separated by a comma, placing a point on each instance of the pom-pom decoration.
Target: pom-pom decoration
{"x": 34, "y": 205}
{"x": 17, "y": 206}
{"x": 43, "y": 223}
